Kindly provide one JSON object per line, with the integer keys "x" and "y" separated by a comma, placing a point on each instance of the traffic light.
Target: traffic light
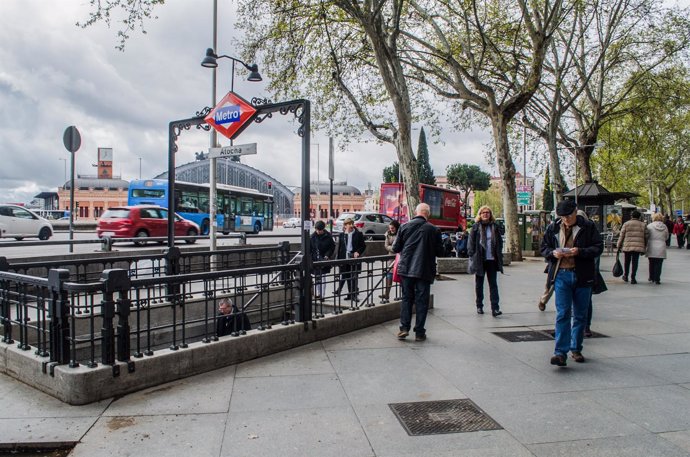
{"x": 270, "y": 185}
{"x": 76, "y": 205}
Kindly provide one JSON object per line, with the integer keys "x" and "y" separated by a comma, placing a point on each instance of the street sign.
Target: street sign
{"x": 71, "y": 139}
{"x": 232, "y": 151}
{"x": 523, "y": 188}
{"x": 231, "y": 115}
{"x": 524, "y": 198}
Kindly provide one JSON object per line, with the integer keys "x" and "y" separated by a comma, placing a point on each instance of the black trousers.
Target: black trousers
{"x": 633, "y": 257}
{"x": 491, "y": 273}
{"x": 349, "y": 274}
{"x": 655, "y": 269}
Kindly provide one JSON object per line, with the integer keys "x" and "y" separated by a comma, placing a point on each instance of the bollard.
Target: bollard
{"x": 106, "y": 244}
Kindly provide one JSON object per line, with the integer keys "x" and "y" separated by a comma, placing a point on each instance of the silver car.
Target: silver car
{"x": 18, "y": 222}
{"x": 367, "y": 222}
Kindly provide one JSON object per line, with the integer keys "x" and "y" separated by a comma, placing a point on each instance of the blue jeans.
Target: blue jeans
{"x": 414, "y": 292}
{"x": 571, "y": 305}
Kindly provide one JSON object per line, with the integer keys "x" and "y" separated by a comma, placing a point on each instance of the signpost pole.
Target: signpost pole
{"x": 72, "y": 141}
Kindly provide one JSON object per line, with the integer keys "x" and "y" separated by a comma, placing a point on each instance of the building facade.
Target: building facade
{"x": 346, "y": 199}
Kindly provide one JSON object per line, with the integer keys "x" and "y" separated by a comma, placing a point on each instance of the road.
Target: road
{"x": 57, "y": 245}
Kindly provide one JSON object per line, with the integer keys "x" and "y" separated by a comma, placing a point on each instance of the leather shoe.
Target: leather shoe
{"x": 496, "y": 312}
{"x": 577, "y": 356}
{"x": 402, "y": 334}
{"x": 588, "y": 333}
{"x": 559, "y": 360}
{"x": 420, "y": 337}
{"x": 625, "y": 279}
{"x": 480, "y": 310}
{"x": 633, "y": 281}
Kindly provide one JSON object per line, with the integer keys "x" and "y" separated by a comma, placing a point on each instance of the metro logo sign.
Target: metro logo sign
{"x": 231, "y": 115}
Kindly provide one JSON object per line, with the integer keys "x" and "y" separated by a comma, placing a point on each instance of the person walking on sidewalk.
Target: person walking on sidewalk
{"x": 419, "y": 243}
{"x": 485, "y": 250}
{"x": 679, "y": 231}
{"x": 322, "y": 248}
{"x": 388, "y": 241}
{"x": 577, "y": 242}
{"x": 351, "y": 245}
{"x": 669, "y": 225}
{"x": 633, "y": 242}
{"x": 656, "y": 247}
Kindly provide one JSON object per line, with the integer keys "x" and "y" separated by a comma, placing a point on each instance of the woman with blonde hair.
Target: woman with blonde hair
{"x": 485, "y": 250}
{"x": 656, "y": 246}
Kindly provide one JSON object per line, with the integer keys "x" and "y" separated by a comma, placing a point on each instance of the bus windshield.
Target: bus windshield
{"x": 238, "y": 209}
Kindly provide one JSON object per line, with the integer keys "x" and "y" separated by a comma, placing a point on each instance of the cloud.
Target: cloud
{"x": 54, "y": 74}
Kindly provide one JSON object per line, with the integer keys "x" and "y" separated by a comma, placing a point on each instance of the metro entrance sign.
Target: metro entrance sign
{"x": 231, "y": 115}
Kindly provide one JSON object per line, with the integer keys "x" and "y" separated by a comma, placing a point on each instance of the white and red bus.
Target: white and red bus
{"x": 446, "y": 205}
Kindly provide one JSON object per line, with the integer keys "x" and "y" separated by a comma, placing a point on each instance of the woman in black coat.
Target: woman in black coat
{"x": 322, "y": 248}
{"x": 485, "y": 250}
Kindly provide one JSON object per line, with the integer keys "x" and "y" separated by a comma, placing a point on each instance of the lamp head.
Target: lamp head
{"x": 210, "y": 61}
{"x": 254, "y": 75}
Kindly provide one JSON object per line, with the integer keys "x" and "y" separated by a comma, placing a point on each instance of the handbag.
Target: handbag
{"x": 617, "y": 270}
{"x": 599, "y": 284}
{"x": 396, "y": 276}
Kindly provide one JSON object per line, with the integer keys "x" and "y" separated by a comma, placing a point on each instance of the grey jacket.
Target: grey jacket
{"x": 656, "y": 240}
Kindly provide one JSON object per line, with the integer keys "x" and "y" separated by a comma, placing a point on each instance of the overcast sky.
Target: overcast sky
{"x": 54, "y": 74}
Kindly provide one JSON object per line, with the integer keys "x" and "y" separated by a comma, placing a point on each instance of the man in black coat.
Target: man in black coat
{"x": 577, "y": 243}
{"x": 419, "y": 243}
{"x": 322, "y": 248}
{"x": 351, "y": 245}
{"x": 231, "y": 321}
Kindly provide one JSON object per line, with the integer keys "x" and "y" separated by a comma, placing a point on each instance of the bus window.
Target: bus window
{"x": 258, "y": 208}
{"x": 203, "y": 204}
{"x": 246, "y": 208}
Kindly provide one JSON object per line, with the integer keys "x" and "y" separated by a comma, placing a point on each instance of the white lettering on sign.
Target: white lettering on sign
{"x": 227, "y": 114}
{"x": 232, "y": 151}
{"x": 449, "y": 202}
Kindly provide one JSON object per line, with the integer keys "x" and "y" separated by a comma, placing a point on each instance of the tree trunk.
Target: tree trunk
{"x": 507, "y": 170}
{"x": 408, "y": 168}
{"x": 557, "y": 181}
{"x": 583, "y": 155}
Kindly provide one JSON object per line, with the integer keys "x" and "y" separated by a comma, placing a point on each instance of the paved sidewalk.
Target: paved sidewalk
{"x": 631, "y": 398}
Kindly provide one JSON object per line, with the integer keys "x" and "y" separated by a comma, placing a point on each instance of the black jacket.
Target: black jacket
{"x": 322, "y": 248}
{"x": 587, "y": 240}
{"x": 234, "y": 322}
{"x": 419, "y": 243}
{"x": 476, "y": 251}
{"x": 358, "y": 244}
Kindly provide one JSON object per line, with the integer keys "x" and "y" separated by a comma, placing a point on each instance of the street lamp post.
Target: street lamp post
{"x": 211, "y": 61}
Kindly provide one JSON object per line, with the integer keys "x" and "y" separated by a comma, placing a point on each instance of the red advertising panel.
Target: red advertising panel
{"x": 446, "y": 205}
{"x": 393, "y": 202}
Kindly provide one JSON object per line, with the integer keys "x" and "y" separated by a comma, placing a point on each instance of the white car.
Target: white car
{"x": 292, "y": 222}
{"x": 18, "y": 222}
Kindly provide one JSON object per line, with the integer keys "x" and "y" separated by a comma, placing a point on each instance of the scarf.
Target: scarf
{"x": 482, "y": 238}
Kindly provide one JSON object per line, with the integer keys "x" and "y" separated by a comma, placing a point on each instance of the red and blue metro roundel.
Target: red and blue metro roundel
{"x": 231, "y": 115}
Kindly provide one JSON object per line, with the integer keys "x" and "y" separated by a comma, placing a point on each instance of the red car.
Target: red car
{"x": 142, "y": 221}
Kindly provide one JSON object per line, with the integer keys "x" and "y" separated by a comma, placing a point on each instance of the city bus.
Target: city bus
{"x": 446, "y": 205}
{"x": 238, "y": 209}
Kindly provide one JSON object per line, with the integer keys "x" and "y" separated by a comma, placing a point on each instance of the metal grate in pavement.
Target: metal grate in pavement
{"x": 442, "y": 416}
{"x": 594, "y": 334}
{"x": 524, "y": 335}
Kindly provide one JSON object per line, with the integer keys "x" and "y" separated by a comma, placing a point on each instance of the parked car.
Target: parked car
{"x": 367, "y": 222}
{"x": 142, "y": 221}
{"x": 292, "y": 222}
{"x": 18, "y": 222}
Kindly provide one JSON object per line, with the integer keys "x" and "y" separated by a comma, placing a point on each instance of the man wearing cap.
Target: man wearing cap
{"x": 576, "y": 242}
{"x": 351, "y": 245}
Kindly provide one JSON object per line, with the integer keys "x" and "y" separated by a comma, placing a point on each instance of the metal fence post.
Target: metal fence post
{"x": 5, "y": 306}
{"x": 59, "y": 316}
{"x": 115, "y": 280}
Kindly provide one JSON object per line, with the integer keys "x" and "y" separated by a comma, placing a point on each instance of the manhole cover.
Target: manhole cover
{"x": 594, "y": 334}
{"x": 525, "y": 335}
{"x": 444, "y": 416}
{"x": 61, "y": 449}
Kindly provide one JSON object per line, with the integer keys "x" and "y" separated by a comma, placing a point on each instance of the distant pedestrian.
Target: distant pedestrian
{"x": 577, "y": 243}
{"x": 656, "y": 247}
{"x": 679, "y": 231}
{"x": 391, "y": 235}
{"x": 461, "y": 242}
{"x": 419, "y": 243}
{"x": 485, "y": 250}
{"x": 633, "y": 242}
{"x": 322, "y": 248}
{"x": 687, "y": 235}
{"x": 351, "y": 245}
{"x": 669, "y": 225}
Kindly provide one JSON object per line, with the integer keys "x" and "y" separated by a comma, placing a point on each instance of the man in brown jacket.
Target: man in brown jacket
{"x": 633, "y": 242}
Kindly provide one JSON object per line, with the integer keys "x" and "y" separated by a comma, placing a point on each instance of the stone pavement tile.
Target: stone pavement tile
{"x": 199, "y": 435}
{"x": 396, "y": 360}
{"x": 484, "y": 369}
{"x": 628, "y": 346}
{"x": 7, "y": 384}
{"x": 377, "y": 336}
{"x": 303, "y": 360}
{"x": 680, "y": 439}
{"x": 634, "y": 327}
{"x": 322, "y": 432}
{"x": 205, "y": 393}
{"x": 679, "y": 342}
{"x": 638, "y": 445}
{"x": 657, "y": 409}
{"x": 45, "y": 429}
{"x": 287, "y": 392}
{"x": 389, "y": 439}
{"x": 418, "y": 383}
{"x": 564, "y": 416}
{"x": 673, "y": 368}
{"x": 23, "y": 402}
